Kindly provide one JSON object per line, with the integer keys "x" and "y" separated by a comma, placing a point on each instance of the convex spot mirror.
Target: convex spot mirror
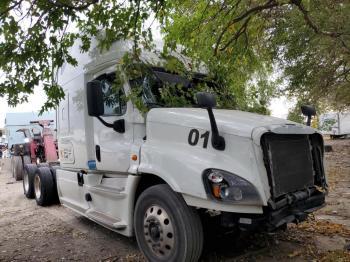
{"x": 205, "y": 100}
{"x": 308, "y": 110}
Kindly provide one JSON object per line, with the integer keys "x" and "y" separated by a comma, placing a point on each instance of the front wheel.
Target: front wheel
{"x": 166, "y": 228}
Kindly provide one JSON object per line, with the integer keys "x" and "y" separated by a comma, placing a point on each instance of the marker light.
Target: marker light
{"x": 216, "y": 189}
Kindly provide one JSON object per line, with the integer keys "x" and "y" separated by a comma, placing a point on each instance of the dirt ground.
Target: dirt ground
{"x": 32, "y": 233}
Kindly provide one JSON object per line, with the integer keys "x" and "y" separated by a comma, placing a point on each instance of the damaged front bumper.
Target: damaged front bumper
{"x": 278, "y": 214}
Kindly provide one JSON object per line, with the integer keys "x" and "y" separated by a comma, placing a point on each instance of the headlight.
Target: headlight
{"x": 26, "y": 140}
{"x": 228, "y": 187}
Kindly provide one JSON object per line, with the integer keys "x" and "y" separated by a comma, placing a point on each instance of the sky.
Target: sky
{"x": 280, "y": 106}
{"x": 35, "y": 102}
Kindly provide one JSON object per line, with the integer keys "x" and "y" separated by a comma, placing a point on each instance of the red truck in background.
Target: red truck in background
{"x": 39, "y": 147}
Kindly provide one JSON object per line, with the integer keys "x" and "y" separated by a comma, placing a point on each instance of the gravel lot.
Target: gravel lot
{"x": 32, "y": 233}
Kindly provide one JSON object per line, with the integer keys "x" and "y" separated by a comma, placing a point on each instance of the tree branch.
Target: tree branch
{"x": 268, "y": 5}
{"x": 135, "y": 25}
{"x": 310, "y": 23}
{"x": 10, "y": 8}
{"x": 314, "y": 27}
{"x": 58, "y": 3}
{"x": 240, "y": 31}
{"x": 212, "y": 18}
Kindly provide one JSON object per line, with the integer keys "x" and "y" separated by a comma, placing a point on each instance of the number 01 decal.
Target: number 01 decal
{"x": 193, "y": 137}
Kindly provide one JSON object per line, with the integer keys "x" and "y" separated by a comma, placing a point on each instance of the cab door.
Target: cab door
{"x": 112, "y": 149}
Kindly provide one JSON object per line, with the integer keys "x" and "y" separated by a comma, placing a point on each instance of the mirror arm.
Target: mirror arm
{"x": 104, "y": 122}
{"x": 308, "y": 121}
{"x": 115, "y": 126}
{"x": 217, "y": 141}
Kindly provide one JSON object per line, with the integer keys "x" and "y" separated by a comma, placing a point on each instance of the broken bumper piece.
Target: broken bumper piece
{"x": 273, "y": 219}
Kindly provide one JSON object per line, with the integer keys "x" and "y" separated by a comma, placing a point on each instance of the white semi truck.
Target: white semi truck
{"x": 169, "y": 175}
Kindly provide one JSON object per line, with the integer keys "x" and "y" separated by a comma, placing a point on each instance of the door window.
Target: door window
{"x": 113, "y": 96}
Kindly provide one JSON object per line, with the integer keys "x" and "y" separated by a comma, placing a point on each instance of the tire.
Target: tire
{"x": 26, "y": 160}
{"x": 12, "y": 167}
{"x": 56, "y": 199}
{"x": 163, "y": 218}
{"x": 43, "y": 165}
{"x": 44, "y": 190}
{"x": 28, "y": 180}
{"x": 17, "y": 168}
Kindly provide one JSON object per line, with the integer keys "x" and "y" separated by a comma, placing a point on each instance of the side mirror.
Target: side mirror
{"x": 205, "y": 100}
{"x": 308, "y": 111}
{"x": 95, "y": 105}
{"x": 208, "y": 101}
{"x": 94, "y": 96}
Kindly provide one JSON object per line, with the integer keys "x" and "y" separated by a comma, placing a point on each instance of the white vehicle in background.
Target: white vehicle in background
{"x": 336, "y": 125}
{"x": 170, "y": 175}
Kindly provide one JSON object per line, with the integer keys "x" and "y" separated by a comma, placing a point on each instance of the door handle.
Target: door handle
{"x": 80, "y": 177}
{"x": 98, "y": 153}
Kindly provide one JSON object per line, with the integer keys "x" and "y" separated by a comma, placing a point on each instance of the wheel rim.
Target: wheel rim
{"x": 25, "y": 181}
{"x": 37, "y": 186}
{"x": 159, "y": 231}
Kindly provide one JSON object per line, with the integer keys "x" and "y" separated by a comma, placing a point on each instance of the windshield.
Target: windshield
{"x": 159, "y": 88}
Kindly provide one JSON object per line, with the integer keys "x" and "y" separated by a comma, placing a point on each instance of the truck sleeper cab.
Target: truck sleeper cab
{"x": 162, "y": 175}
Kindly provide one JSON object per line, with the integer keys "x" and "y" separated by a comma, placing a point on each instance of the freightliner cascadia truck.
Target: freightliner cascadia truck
{"x": 169, "y": 175}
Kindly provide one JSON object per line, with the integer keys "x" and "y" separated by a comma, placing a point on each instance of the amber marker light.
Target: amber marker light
{"x": 216, "y": 190}
{"x": 134, "y": 157}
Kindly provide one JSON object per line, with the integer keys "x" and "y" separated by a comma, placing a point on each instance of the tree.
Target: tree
{"x": 241, "y": 42}
{"x": 307, "y": 41}
{"x": 312, "y": 46}
{"x": 35, "y": 37}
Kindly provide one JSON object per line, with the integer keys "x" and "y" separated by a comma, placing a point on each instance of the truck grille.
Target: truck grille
{"x": 289, "y": 162}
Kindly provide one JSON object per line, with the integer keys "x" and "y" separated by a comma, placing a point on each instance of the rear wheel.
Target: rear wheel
{"x": 43, "y": 165}
{"x": 166, "y": 228}
{"x": 26, "y": 160}
{"x": 28, "y": 180}
{"x": 44, "y": 190}
{"x": 12, "y": 167}
{"x": 17, "y": 168}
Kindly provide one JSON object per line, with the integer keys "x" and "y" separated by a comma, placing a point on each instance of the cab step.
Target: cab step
{"x": 113, "y": 223}
{"x": 115, "y": 193}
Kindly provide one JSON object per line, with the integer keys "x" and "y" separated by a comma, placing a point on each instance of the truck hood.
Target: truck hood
{"x": 232, "y": 122}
